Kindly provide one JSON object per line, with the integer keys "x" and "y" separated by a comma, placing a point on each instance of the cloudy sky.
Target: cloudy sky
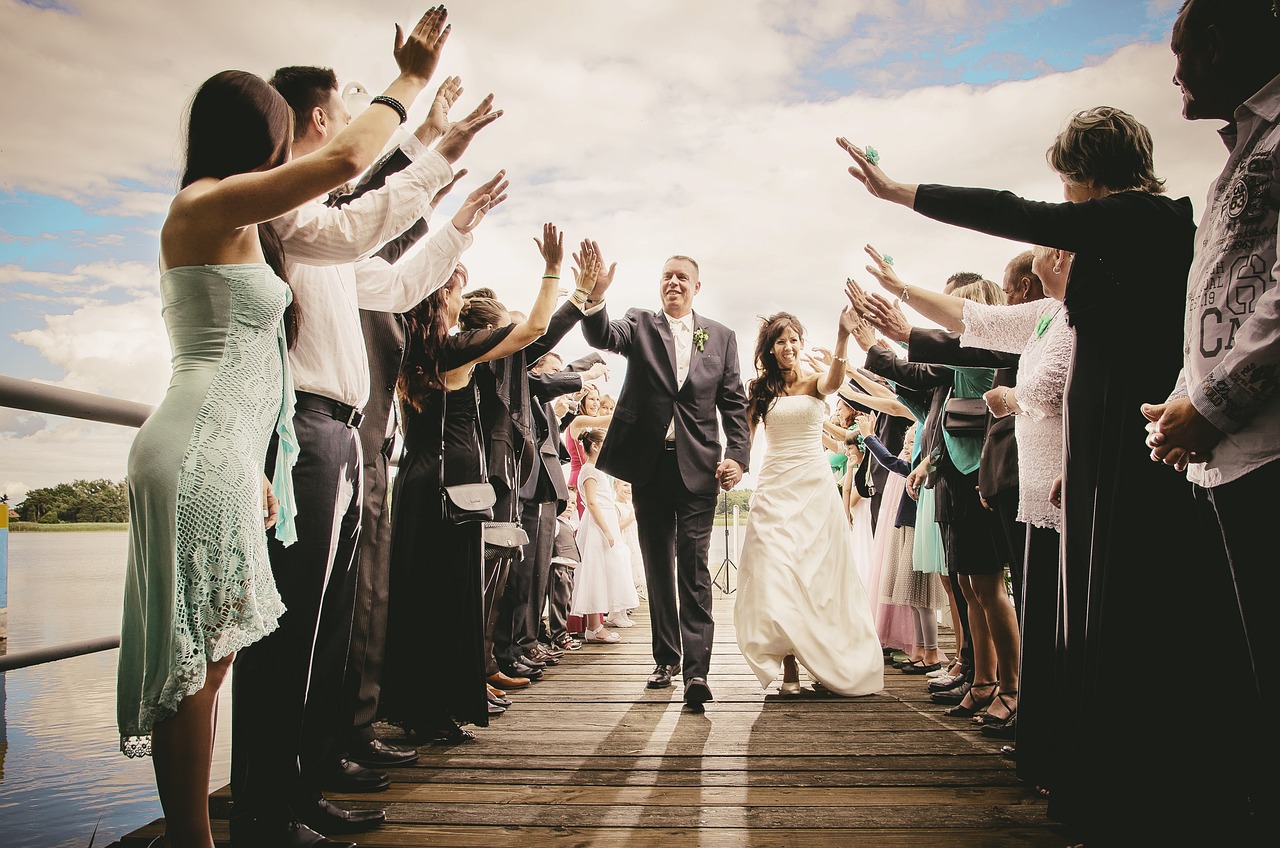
{"x": 654, "y": 127}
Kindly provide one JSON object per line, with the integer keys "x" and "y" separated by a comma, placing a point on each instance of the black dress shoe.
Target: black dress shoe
{"x": 661, "y": 677}
{"x": 252, "y": 833}
{"x": 346, "y": 776}
{"x": 378, "y": 754}
{"x": 526, "y": 660}
{"x": 538, "y": 655}
{"x": 697, "y": 692}
{"x": 328, "y": 818}
{"x": 519, "y": 669}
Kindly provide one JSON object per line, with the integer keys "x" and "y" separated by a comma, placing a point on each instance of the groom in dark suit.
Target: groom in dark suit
{"x": 681, "y": 369}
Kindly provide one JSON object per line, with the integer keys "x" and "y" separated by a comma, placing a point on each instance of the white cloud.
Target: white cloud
{"x": 654, "y": 128}
{"x": 118, "y": 350}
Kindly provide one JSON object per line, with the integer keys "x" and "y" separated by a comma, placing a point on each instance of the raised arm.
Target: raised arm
{"x": 936, "y": 306}
{"x": 243, "y": 200}
{"x": 1102, "y": 225}
{"x": 522, "y": 334}
{"x": 834, "y": 376}
{"x": 398, "y": 288}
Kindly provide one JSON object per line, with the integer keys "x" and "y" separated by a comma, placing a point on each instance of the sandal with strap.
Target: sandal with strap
{"x": 979, "y": 703}
{"x": 1003, "y": 697}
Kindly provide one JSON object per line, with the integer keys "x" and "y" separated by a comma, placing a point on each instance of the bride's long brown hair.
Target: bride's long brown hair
{"x": 769, "y": 382}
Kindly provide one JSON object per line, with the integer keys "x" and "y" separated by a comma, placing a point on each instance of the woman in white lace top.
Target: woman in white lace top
{"x": 1038, "y": 331}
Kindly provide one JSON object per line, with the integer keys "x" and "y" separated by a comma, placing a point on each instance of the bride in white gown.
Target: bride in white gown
{"x": 799, "y": 596}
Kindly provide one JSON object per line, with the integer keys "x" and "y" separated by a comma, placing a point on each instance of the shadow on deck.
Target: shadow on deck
{"x": 589, "y": 757}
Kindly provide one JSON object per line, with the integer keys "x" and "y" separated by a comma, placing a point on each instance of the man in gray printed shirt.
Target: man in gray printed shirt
{"x": 1222, "y": 421}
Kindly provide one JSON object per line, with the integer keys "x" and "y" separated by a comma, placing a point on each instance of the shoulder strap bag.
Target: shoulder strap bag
{"x": 466, "y": 502}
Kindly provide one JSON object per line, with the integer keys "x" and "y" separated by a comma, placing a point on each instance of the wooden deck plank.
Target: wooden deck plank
{"x": 590, "y": 757}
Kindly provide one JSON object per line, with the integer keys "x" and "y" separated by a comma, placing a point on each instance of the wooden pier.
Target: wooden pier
{"x": 589, "y": 757}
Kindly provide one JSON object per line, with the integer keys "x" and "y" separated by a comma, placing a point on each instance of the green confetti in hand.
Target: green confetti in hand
{"x": 888, "y": 260}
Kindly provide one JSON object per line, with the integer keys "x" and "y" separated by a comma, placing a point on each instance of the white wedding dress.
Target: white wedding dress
{"x": 798, "y": 587}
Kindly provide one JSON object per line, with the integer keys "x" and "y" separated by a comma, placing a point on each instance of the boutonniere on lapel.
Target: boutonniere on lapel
{"x": 700, "y": 338}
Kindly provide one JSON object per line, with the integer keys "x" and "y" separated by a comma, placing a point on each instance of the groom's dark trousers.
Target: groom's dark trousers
{"x": 674, "y": 526}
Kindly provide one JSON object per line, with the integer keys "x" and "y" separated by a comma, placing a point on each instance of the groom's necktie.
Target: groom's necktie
{"x": 682, "y": 333}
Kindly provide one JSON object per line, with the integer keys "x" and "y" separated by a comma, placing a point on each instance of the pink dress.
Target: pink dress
{"x": 576, "y": 460}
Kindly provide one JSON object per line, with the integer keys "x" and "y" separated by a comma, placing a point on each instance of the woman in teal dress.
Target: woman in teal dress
{"x": 198, "y": 584}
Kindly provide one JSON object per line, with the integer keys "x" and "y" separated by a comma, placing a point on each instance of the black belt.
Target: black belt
{"x": 348, "y": 415}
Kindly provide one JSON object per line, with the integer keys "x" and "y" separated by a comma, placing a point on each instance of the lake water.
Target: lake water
{"x": 61, "y": 772}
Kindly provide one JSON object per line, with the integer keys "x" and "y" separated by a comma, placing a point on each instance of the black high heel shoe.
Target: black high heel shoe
{"x": 990, "y": 724}
{"x": 979, "y": 703}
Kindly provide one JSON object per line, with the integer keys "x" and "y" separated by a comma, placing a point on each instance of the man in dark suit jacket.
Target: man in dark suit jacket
{"x": 681, "y": 369}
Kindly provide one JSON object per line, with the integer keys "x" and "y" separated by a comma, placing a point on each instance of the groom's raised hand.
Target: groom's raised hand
{"x": 729, "y": 473}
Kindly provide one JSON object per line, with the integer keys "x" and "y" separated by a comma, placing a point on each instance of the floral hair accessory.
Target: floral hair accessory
{"x": 873, "y": 155}
{"x": 700, "y": 338}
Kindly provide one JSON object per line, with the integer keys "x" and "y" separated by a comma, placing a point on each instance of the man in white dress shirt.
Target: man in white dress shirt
{"x": 287, "y": 688}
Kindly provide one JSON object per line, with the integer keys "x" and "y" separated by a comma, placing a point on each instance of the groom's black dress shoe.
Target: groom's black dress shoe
{"x": 253, "y": 833}
{"x": 661, "y": 677}
{"x": 329, "y": 818}
{"x": 378, "y": 754}
{"x": 697, "y": 692}
{"x": 346, "y": 776}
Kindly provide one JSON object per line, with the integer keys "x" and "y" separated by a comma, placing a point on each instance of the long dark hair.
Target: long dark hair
{"x": 426, "y": 329}
{"x": 238, "y": 123}
{"x": 769, "y": 382}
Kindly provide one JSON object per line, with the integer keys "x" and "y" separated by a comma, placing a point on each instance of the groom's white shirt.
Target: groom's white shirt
{"x": 682, "y": 332}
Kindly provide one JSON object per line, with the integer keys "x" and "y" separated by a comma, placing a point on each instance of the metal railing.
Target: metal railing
{"x": 86, "y": 406}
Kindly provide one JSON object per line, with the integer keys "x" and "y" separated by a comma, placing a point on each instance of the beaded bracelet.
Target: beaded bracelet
{"x": 394, "y": 104}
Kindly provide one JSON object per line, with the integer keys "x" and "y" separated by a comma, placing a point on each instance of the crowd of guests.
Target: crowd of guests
{"x": 1126, "y": 347}
{"x": 1018, "y": 440}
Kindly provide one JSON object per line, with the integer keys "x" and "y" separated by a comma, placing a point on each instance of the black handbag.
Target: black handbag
{"x": 503, "y": 539}
{"x": 466, "y": 502}
{"x": 965, "y": 416}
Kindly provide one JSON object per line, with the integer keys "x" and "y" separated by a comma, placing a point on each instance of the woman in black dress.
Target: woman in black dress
{"x": 435, "y": 671}
{"x": 1116, "y": 764}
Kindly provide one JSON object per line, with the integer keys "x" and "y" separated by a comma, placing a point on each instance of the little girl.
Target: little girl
{"x": 602, "y": 583}
{"x": 631, "y": 537}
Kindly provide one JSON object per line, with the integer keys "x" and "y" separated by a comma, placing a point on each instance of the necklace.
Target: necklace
{"x": 1043, "y": 325}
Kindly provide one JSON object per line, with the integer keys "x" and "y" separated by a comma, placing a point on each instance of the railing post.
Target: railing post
{"x": 4, "y": 576}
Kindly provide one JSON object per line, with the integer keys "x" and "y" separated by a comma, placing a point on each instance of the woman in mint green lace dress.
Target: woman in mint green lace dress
{"x": 199, "y": 585}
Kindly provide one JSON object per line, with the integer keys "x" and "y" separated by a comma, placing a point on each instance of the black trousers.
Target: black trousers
{"x": 675, "y": 538}
{"x": 288, "y": 716}
{"x": 1037, "y": 688}
{"x": 540, "y": 524}
{"x": 1236, "y": 523}
{"x": 369, "y": 587}
{"x": 559, "y": 596}
{"x": 519, "y": 620}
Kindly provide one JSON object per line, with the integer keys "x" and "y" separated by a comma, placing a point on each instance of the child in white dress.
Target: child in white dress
{"x": 631, "y": 533}
{"x": 602, "y": 583}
